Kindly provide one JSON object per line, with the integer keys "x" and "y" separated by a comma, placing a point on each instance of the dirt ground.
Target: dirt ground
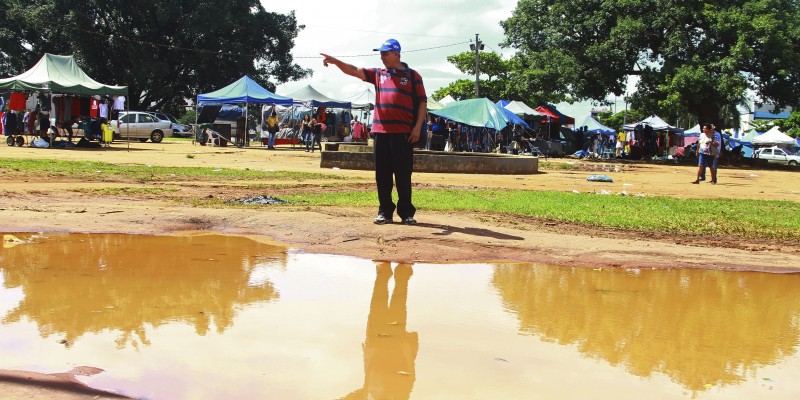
{"x": 33, "y": 202}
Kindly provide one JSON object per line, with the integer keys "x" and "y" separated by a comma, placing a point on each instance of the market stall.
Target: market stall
{"x": 244, "y": 91}
{"x": 57, "y": 89}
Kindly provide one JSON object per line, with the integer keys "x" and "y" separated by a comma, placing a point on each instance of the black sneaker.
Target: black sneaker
{"x": 381, "y": 219}
{"x": 409, "y": 221}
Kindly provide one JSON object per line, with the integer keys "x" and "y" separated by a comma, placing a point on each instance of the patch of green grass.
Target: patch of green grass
{"x": 739, "y": 218}
{"x": 102, "y": 170}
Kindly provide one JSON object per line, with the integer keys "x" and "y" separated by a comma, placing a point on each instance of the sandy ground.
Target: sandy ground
{"x": 38, "y": 202}
{"x": 43, "y": 203}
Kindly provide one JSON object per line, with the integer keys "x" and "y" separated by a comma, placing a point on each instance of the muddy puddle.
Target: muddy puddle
{"x": 214, "y": 316}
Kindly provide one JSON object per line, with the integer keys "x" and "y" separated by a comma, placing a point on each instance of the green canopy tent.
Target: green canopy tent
{"x": 433, "y": 104}
{"x": 474, "y": 112}
{"x": 59, "y": 75}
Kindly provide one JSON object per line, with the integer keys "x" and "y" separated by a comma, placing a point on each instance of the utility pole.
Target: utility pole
{"x": 477, "y": 47}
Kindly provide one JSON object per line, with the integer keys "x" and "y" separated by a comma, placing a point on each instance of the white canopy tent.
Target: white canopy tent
{"x": 654, "y": 122}
{"x": 774, "y": 137}
{"x": 447, "y": 100}
{"x": 521, "y": 109}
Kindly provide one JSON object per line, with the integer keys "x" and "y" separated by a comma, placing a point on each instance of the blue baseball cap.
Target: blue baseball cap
{"x": 389, "y": 45}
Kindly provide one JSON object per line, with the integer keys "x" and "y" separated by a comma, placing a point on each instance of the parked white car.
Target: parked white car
{"x": 140, "y": 125}
{"x": 778, "y": 155}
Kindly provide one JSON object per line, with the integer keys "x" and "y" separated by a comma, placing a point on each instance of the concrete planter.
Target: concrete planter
{"x": 360, "y": 156}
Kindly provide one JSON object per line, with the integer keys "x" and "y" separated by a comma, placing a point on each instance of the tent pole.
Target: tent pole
{"x": 128, "y": 126}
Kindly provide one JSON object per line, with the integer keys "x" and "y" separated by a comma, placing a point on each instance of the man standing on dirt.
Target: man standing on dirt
{"x": 400, "y": 107}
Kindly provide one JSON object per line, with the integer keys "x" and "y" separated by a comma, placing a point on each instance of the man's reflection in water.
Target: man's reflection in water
{"x": 389, "y": 350}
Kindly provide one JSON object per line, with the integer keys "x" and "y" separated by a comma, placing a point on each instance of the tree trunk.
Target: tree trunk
{"x": 708, "y": 112}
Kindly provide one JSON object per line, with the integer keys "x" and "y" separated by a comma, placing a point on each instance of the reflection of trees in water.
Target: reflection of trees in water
{"x": 697, "y": 327}
{"x": 80, "y": 283}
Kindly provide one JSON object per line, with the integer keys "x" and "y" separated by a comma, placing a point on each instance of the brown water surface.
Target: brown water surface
{"x": 207, "y": 316}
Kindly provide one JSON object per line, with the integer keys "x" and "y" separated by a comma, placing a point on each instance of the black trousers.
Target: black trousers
{"x": 394, "y": 160}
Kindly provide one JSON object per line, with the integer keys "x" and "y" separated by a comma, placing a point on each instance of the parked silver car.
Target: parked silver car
{"x": 778, "y": 156}
{"x": 178, "y": 129}
{"x": 140, "y": 125}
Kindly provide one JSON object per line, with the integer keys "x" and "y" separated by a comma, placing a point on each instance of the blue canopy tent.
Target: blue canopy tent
{"x": 594, "y": 127}
{"x": 245, "y": 90}
{"x": 513, "y": 118}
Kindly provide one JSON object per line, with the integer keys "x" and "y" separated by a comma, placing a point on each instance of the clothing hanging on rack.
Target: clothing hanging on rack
{"x": 103, "y": 107}
{"x": 77, "y": 107}
{"x": 17, "y": 101}
{"x": 119, "y": 102}
{"x": 94, "y": 108}
{"x": 44, "y": 101}
{"x": 85, "y": 105}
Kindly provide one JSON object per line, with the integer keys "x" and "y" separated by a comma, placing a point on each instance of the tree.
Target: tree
{"x": 505, "y": 79}
{"x": 618, "y": 120}
{"x": 164, "y": 51}
{"x": 691, "y": 56}
{"x": 790, "y": 126}
{"x": 492, "y": 66}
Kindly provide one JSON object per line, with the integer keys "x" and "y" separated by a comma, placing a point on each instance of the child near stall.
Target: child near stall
{"x": 107, "y": 132}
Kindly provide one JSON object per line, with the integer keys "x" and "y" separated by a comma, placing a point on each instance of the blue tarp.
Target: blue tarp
{"x": 245, "y": 90}
{"x": 513, "y": 118}
{"x": 502, "y": 103}
{"x": 474, "y": 112}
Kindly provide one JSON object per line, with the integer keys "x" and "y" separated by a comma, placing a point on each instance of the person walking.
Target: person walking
{"x": 306, "y": 131}
{"x": 272, "y": 128}
{"x": 709, "y": 146}
{"x": 316, "y": 137}
{"x": 400, "y": 108}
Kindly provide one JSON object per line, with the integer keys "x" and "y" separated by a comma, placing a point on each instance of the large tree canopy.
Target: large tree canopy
{"x": 164, "y": 51}
{"x": 691, "y": 56}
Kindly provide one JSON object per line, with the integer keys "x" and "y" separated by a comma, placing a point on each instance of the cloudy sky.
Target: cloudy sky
{"x": 428, "y": 32}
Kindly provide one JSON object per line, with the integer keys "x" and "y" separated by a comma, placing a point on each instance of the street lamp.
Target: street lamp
{"x": 477, "y": 47}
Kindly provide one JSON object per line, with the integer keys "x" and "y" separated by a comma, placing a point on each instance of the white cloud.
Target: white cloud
{"x": 424, "y": 28}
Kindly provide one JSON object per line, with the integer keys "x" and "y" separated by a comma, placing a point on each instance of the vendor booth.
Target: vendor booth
{"x": 552, "y": 122}
{"x": 478, "y": 120}
{"x": 652, "y": 137}
{"x": 244, "y": 91}
{"x": 773, "y": 137}
{"x": 334, "y": 114}
{"x": 56, "y": 88}
{"x": 598, "y": 139}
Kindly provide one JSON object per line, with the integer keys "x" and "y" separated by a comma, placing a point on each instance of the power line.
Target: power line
{"x": 386, "y": 33}
{"x": 404, "y": 51}
{"x": 220, "y": 52}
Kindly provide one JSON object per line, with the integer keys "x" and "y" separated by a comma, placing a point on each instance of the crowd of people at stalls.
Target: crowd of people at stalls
{"x": 32, "y": 114}
{"x": 340, "y": 126}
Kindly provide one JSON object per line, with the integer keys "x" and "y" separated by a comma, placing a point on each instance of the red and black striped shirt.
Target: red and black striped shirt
{"x": 394, "y": 100}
